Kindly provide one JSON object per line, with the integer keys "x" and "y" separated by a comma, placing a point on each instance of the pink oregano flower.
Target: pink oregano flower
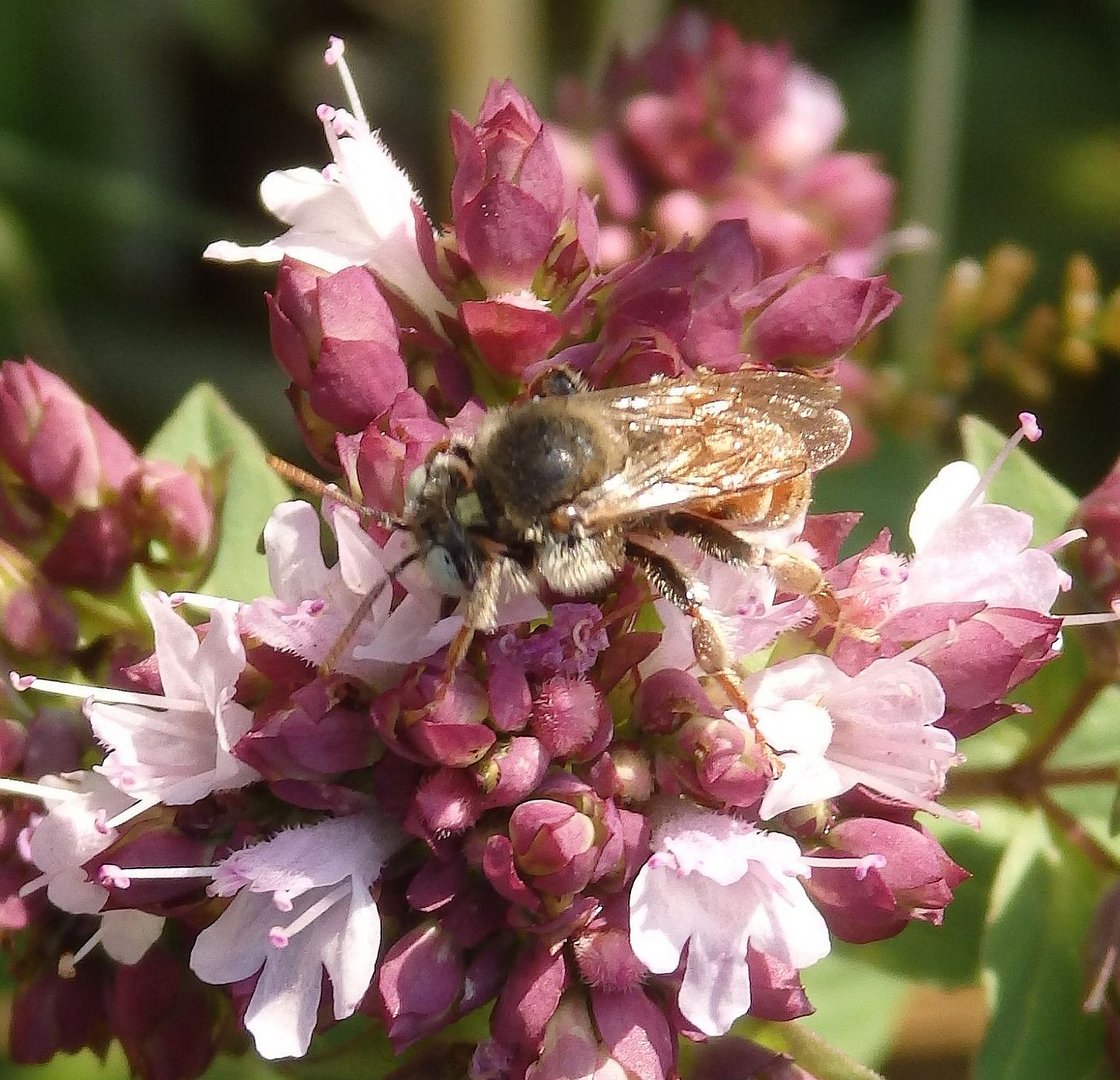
{"x": 178, "y": 748}
{"x": 359, "y": 211}
{"x": 832, "y": 731}
{"x": 721, "y": 886}
{"x": 301, "y": 905}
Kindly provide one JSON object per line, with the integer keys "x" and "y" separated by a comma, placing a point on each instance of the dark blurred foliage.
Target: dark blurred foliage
{"x": 132, "y": 134}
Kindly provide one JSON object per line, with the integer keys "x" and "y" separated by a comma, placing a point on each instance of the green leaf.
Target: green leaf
{"x": 1021, "y": 482}
{"x": 1042, "y": 904}
{"x": 205, "y": 428}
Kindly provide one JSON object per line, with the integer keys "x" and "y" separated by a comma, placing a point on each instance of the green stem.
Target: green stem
{"x": 930, "y": 176}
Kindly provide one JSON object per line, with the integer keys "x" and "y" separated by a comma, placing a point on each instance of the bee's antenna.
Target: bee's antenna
{"x": 304, "y": 480}
{"x": 360, "y": 612}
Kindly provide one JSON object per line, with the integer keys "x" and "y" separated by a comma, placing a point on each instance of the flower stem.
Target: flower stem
{"x": 933, "y": 141}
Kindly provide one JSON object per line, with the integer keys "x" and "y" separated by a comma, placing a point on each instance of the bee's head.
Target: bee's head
{"x": 442, "y": 508}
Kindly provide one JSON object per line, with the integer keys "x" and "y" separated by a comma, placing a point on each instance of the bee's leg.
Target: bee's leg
{"x": 678, "y": 588}
{"x": 708, "y": 641}
{"x": 481, "y": 611}
{"x": 792, "y": 572}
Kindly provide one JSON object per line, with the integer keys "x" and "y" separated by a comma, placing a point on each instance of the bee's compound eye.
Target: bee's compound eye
{"x": 443, "y": 572}
{"x": 415, "y": 484}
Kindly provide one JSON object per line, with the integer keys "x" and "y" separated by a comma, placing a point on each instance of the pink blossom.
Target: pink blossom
{"x": 320, "y": 878}
{"x": 832, "y": 731}
{"x": 721, "y": 886}
{"x": 359, "y": 212}
{"x": 968, "y": 550}
{"x": 314, "y": 603}
{"x": 76, "y": 829}
{"x": 183, "y": 751}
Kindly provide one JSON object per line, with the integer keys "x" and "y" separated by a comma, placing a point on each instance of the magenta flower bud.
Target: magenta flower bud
{"x": 337, "y": 338}
{"x": 568, "y": 714}
{"x": 916, "y": 881}
{"x": 818, "y": 319}
{"x": 1099, "y": 554}
{"x": 511, "y": 700}
{"x": 555, "y": 846}
{"x": 419, "y": 981}
{"x": 511, "y": 772}
{"x": 174, "y": 507}
{"x": 718, "y": 762}
{"x": 447, "y": 731}
{"x": 94, "y": 553}
{"x": 510, "y": 336}
{"x": 776, "y": 990}
{"x": 55, "y": 443}
{"x": 623, "y": 773}
{"x": 667, "y": 699}
{"x": 604, "y": 956}
{"x": 635, "y": 1032}
{"x": 507, "y": 198}
{"x": 389, "y": 452}
{"x": 310, "y": 737}
{"x": 449, "y": 801}
{"x": 537, "y": 979}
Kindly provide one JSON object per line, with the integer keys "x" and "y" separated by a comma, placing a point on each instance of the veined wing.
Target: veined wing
{"x": 708, "y": 436}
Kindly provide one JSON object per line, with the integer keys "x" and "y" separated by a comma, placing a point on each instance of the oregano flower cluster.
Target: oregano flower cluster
{"x": 295, "y": 810}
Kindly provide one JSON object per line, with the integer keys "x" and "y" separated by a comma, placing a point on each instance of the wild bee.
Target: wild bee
{"x": 567, "y": 487}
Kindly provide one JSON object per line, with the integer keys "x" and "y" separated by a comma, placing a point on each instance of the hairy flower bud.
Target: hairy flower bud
{"x": 915, "y": 881}
{"x": 336, "y": 337}
{"x": 172, "y": 507}
{"x": 57, "y": 445}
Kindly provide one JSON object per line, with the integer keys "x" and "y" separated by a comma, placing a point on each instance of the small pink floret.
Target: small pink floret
{"x": 325, "y": 113}
{"x": 335, "y": 48}
{"x": 21, "y": 682}
{"x": 277, "y": 938}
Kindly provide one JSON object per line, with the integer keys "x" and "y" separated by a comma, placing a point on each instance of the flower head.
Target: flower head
{"x": 319, "y": 879}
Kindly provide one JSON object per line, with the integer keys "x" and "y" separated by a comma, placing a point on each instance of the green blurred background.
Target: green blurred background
{"x": 133, "y": 132}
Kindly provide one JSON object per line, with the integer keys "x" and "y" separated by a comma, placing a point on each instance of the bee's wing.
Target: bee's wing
{"x": 711, "y": 436}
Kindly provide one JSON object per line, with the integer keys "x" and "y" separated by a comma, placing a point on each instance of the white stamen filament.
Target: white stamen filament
{"x": 861, "y": 864}
{"x": 68, "y": 962}
{"x": 34, "y": 885}
{"x": 335, "y": 56}
{"x": 1097, "y": 994}
{"x": 104, "y": 694}
{"x": 36, "y": 791}
{"x": 121, "y": 874}
{"x": 198, "y": 600}
{"x": 1028, "y": 428}
{"x": 135, "y": 810}
{"x": 1091, "y": 618}
{"x": 281, "y": 935}
{"x": 1060, "y": 542}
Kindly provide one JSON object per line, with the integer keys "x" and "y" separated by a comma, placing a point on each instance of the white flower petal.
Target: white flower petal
{"x": 127, "y": 935}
